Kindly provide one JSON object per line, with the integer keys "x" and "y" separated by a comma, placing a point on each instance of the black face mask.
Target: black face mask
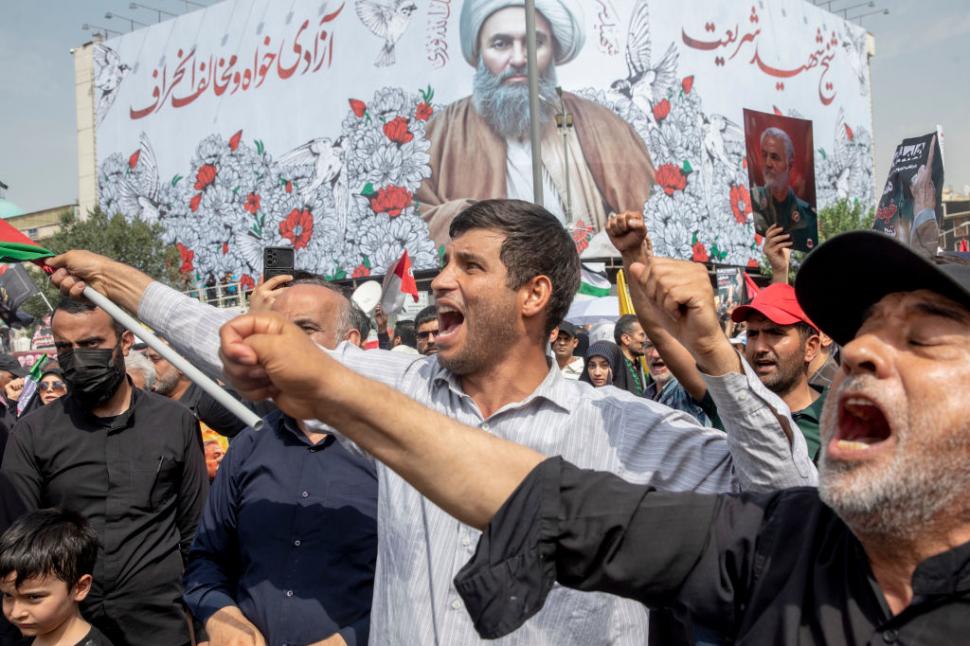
{"x": 94, "y": 374}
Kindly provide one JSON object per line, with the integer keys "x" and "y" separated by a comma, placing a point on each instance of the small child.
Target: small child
{"x": 46, "y": 564}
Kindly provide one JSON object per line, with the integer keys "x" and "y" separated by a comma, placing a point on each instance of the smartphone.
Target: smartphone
{"x": 277, "y": 261}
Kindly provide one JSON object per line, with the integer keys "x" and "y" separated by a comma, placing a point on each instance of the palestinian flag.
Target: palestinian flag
{"x": 30, "y": 384}
{"x": 398, "y": 281}
{"x": 593, "y": 280}
{"x": 16, "y": 247}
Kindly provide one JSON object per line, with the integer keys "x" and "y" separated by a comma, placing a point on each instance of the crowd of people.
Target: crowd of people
{"x": 436, "y": 490}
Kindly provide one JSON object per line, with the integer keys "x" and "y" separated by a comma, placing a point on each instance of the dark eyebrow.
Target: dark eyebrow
{"x": 941, "y": 310}
{"x": 468, "y": 256}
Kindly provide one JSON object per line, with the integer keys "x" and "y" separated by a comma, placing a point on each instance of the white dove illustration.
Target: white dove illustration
{"x": 324, "y": 154}
{"x": 108, "y": 75}
{"x": 858, "y": 57}
{"x": 387, "y": 21}
{"x": 139, "y": 192}
{"x": 645, "y": 85}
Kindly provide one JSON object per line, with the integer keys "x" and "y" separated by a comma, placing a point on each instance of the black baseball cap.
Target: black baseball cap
{"x": 10, "y": 364}
{"x": 568, "y": 328}
{"x": 844, "y": 277}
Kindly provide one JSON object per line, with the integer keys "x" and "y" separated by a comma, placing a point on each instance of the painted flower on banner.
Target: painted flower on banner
{"x": 741, "y": 203}
{"x": 297, "y": 228}
{"x": 670, "y": 178}
{"x": 341, "y": 202}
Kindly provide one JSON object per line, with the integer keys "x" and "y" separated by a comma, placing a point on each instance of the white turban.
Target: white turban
{"x": 564, "y": 16}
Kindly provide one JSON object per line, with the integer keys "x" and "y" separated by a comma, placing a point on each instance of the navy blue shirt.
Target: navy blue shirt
{"x": 289, "y": 535}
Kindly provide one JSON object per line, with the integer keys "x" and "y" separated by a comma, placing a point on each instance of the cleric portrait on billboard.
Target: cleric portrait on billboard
{"x": 781, "y": 169}
{"x": 480, "y": 144}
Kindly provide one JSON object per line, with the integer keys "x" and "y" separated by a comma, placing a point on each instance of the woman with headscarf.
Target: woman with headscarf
{"x": 605, "y": 355}
{"x": 52, "y": 385}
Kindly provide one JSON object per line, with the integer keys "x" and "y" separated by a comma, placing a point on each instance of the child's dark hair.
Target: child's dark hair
{"x": 49, "y": 542}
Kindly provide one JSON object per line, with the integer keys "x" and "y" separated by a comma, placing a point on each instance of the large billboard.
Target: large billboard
{"x": 352, "y": 129}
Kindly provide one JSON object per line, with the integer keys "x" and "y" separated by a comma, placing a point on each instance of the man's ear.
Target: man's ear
{"x": 127, "y": 340}
{"x": 813, "y": 345}
{"x": 535, "y": 295}
{"x": 353, "y": 335}
{"x": 82, "y": 588}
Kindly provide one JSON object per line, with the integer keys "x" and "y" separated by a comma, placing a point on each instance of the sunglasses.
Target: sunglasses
{"x": 52, "y": 385}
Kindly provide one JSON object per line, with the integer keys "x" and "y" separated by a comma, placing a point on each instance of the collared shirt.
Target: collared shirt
{"x": 674, "y": 394}
{"x": 422, "y": 548}
{"x": 573, "y": 369}
{"x": 140, "y": 480}
{"x": 289, "y": 535}
{"x": 755, "y": 569}
{"x": 808, "y": 422}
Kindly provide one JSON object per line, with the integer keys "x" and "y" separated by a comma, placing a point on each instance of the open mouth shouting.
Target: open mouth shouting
{"x": 863, "y": 429}
{"x": 450, "y": 322}
{"x": 763, "y": 366}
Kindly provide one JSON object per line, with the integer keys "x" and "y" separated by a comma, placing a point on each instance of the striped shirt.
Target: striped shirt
{"x": 421, "y": 548}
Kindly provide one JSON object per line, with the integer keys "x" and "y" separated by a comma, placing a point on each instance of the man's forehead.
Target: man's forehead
{"x": 427, "y": 325}
{"x": 922, "y": 301}
{"x": 480, "y": 242}
{"x": 87, "y": 323}
{"x": 510, "y": 21}
{"x": 305, "y": 297}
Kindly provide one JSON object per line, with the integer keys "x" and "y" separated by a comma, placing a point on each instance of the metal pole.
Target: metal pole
{"x": 233, "y": 405}
{"x": 534, "y": 122}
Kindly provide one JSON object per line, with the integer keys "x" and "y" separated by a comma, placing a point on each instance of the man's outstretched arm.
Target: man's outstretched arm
{"x": 463, "y": 470}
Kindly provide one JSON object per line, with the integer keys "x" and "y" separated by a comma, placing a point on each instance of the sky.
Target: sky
{"x": 920, "y": 78}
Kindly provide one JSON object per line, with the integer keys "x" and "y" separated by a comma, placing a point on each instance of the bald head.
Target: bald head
{"x": 320, "y": 311}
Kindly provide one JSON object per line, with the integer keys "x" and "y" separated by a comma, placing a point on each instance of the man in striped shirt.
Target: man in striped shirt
{"x": 511, "y": 272}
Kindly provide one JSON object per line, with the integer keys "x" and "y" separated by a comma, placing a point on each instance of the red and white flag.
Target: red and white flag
{"x": 398, "y": 281}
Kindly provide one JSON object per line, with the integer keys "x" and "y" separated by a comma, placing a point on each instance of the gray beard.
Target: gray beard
{"x": 506, "y": 107}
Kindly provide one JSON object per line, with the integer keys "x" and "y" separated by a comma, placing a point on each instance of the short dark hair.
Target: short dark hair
{"x": 536, "y": 244}
{"x": 407, "y": 333}
{"x": 804, "y": 330}
{"x": 623, "y": 326}
{"x": 49, "y": 542}
{"x": 84, "y": 306}
{"x": 430, "y": 313}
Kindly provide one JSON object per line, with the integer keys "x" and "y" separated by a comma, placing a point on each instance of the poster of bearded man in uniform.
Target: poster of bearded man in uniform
{"x": 781, "y": 172}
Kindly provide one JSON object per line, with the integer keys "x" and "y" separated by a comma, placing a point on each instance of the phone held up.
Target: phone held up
{"x": 277, "y": 261}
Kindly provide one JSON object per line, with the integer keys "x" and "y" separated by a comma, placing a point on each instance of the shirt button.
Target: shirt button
{"x": 456, "y": 604}
{"x": 484, "y": 426}
{"x": 889, "y": 636}
{"x": 466, "y": 541}
{"x": 289, "y": 593}
{"x": 305, "y": 494}
{"x": 297, "y": 542}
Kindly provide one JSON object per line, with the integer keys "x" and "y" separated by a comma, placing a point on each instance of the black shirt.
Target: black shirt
{"x": 289, "y": 535}
{"x": 210, "y": 412}
{"x": 140, "y": 479}
{"x": 94, "y": 638}
{"x": 776, "y": 568}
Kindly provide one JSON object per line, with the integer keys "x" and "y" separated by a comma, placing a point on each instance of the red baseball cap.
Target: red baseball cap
{"x": 777, "y": 303}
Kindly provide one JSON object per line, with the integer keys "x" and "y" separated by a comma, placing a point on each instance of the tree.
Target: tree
{"x": 135, "y": 243}
{"x": 842, "y": 216}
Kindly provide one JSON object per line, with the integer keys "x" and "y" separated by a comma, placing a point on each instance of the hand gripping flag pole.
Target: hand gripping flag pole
{"x": 16, "y": 247}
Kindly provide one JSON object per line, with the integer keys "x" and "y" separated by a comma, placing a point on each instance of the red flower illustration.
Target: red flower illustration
{"x": 133, "y": 160}
{"x": 699, "y": 252}
{"x": 423, "y": 111}
{"x": 397, "y": 130}
{"x": 289, "y": 186}
{"x": 391, "y": 200}
{"x": 848, "y": 133}
{"x": 661, "y": 109}
{"x": 582, "y": 233}
{"x": 247, "y": 283}
{"x": 225, "y": 248}
{"x": 752, "y": 263}
{"x": 687, "y": 84}
{"x": 670, "y": 178}
{"x": 740, "y": 203}
{"x": 195, "y": 201}
{"x": 298, "y": 227}
{"x": 758, "y": 239}
{"x": 252, "y": 203}
{"x": 234, "y": 141}
{"x": 187, "y": 256}
{"x": 205, "y": 176}
{"x": 361, "y": 272}
{"x": 358, "y": 106}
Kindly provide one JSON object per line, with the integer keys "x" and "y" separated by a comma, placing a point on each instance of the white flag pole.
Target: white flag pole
{"x": 231, "y": 404}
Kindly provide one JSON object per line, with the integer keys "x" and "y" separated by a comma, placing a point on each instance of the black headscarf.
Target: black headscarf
{"x": 611, "y": 352}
